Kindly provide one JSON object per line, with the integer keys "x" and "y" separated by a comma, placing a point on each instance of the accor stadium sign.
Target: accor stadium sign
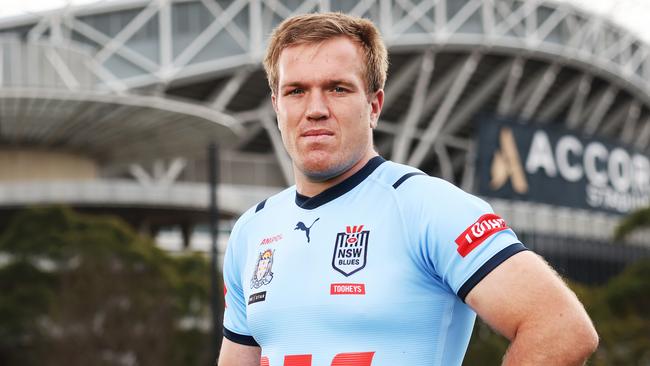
{"x": 555, "y": 166}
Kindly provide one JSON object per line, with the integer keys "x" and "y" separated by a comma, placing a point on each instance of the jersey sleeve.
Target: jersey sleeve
{"x": 235, "y": 326}
{"x": 463, "y": 238}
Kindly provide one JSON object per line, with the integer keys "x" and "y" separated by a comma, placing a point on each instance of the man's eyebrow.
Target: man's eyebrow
{"x": 328, "y": 84}
{"x": 340, "y": 82}
{"x": 292, "y": 84}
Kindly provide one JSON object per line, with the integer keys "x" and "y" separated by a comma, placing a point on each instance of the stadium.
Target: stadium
{"x": 110, "y": 107}
{"x": 539, "y": 107}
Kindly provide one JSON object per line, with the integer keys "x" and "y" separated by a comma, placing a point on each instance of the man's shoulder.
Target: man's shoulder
{"x": 414, "y": 188}
{"x": 405, "y": 178}
{"x": 272, "y": 203}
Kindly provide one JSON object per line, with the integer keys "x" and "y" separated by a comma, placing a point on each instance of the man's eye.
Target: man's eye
{"x": 294, "y": 91}
{"x": 338, "y": 89}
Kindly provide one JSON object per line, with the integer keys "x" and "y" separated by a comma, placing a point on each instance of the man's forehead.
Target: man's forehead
{"x": 340, "y": 41}
{"x": 337, "y": 52}
{"x": 341, "y": 48}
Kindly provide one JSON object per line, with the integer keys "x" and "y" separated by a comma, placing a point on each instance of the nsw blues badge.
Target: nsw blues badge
{"x": 262, "y": 275}
{"x": 350, "y": 250}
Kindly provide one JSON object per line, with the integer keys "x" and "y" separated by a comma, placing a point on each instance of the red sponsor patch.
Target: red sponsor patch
{"x": 347, "y": 289}
{"x": 475, "y": 234}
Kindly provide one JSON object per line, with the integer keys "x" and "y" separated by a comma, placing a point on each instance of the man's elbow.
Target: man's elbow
{"x": 584, "y": 340}
{"x": 570, "y": 341}
{"x": 591, "y": 340}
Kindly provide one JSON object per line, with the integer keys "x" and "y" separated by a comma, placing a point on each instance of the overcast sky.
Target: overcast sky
{"x": 632, "y": 14}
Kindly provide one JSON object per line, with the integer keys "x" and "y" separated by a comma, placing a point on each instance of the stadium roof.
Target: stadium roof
{"x": 628, "y": 14}
{"x": 545, "y": 62}
{"x": 52, "y": 96}
{"x": 535, "y": 60}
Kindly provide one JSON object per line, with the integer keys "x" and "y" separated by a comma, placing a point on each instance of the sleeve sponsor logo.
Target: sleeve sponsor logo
{"x": 347, "y": 289}
{"x": 478, "y": 232}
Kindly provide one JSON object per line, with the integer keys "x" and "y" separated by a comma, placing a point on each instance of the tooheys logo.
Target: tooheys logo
{"x": 478, "y": 232}
{"x": 347, "y": 289}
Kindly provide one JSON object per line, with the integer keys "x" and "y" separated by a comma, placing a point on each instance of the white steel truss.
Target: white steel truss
{"x": 160, "y": 43}
{"x": 514, "y": 24}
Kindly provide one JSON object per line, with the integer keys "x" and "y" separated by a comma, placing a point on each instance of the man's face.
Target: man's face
{"x": 324, "y": 113}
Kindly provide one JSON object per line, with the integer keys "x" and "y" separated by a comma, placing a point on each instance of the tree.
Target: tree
{"x": 636, "y": 220}
{"x": 26, "y": 295}
{"x": 82, "y": 290}
{"x": 620, "y": 313}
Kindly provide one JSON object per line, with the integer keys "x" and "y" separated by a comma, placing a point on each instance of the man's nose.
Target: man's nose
{"x": 317, "y": 109}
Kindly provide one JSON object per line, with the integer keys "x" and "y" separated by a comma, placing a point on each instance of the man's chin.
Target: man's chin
{"x": 320, "y": 176}
{"x": 319, "y": 173}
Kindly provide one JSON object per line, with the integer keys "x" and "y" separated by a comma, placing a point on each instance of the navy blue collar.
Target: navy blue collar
{"x": 310, "y": 203}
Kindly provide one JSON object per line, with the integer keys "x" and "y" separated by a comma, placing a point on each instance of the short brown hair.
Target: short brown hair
{"x": 315, "y": 28}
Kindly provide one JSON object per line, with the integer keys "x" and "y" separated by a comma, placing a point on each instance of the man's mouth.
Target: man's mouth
{"x": 317, "y": 133}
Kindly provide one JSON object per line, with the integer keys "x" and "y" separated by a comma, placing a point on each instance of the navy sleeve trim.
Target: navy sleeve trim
{"x": 405, "y": 177}
{"x": 240, "y": 339}
{"x": 486, "y": 268}
{"x": 260, "y": 206}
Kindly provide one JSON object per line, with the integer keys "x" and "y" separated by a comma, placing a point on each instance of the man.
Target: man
{"x": 365, "y": 261}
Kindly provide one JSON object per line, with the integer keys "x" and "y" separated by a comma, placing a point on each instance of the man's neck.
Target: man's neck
{"x": 310, "y": 188}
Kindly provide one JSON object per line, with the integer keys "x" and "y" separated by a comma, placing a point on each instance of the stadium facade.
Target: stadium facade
{"x": 537, "y": 106}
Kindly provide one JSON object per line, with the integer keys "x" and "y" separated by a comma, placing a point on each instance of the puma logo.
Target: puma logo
{"x": 301, "y": 226}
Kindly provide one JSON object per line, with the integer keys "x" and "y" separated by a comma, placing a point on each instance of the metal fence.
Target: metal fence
{"x": 588, "y": 261}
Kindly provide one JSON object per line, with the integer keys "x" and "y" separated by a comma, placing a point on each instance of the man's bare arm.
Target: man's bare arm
{"x": 527, "y": 302}
{"x": 234, "y": 354}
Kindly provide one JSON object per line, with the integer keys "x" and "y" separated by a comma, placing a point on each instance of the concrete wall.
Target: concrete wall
{"x": 29, "y": 165}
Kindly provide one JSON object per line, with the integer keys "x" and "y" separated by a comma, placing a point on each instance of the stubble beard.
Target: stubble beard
{"x": 325, "y": 175}
{"x": 329, "y": 173}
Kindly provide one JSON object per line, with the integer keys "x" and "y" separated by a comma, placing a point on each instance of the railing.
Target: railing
{"x": 234, "y": 199}
{"x": 588, "y": 261}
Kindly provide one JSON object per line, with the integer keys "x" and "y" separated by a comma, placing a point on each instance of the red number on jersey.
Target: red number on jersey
{"x": 297, "y": 360}
{"x": 353, "y": 359}
{"x": 342, "y": 359}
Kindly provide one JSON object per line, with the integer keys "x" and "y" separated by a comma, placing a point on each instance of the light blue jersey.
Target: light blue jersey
{"x": 373, "y": 271}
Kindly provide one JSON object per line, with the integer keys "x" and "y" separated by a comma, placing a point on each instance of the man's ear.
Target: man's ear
{"x": 376, "y": 104}
{"x": 274, "y": 102}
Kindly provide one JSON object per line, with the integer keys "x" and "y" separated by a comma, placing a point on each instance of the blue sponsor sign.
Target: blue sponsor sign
{"x": 560, "y": 167}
